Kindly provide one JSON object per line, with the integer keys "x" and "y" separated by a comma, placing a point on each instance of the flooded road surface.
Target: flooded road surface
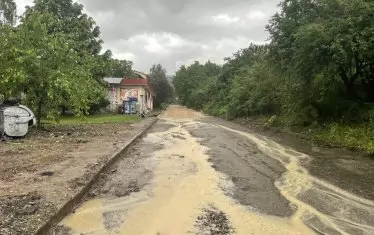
{"x": 192, "y": 175}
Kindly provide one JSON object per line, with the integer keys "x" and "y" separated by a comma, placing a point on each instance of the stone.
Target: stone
{"x": 27, "y": 210}
{"x": 47, "y": 173}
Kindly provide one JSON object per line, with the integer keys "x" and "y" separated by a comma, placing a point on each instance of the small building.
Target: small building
{"x": 135, "y": 88}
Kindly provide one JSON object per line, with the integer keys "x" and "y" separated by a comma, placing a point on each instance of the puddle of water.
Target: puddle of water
{"x": 184, "y": 184}
{"x": 297, "y": 181}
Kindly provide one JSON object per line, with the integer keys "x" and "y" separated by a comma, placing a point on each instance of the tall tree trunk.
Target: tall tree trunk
{"x": 63, "y": 110}
{"x": 39, "y": 114}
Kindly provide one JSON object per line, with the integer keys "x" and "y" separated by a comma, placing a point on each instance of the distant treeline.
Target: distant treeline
{"x": 318, "y": 67}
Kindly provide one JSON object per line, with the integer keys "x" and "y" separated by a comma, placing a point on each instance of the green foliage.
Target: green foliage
{"x": 81, "y": 29}
{"x": 53, "y": 58}
{"x": 162, "y": 87}
{"x": 100, "y": 103}
{"x": 163, "y": 106}
{"x": 271, "y": 122}
{"x": 244, "y": 86}
{"x": 318, "y": 68}
{"x": 111, "y": 67}
{"x": 352, "y": 136}
{"x": 76, "y": 25}
{"x": 327, "y": 37}
{"x": 254, "y": 91}
{"x": 48, "y": 69}
{"x": 119, "y": 68}
{"x": 195, "y": 84}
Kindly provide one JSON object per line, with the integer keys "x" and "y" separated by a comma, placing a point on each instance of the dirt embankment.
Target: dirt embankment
{"x": 42, "y": 172}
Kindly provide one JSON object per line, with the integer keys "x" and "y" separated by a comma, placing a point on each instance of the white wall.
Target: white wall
{"x": 141, "y": 91}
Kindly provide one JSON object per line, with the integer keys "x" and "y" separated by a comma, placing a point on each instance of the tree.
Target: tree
{"x": 47, "y": 68}
{"x": 10, "y": 72}
{"x": 319, "y": 66}
{"x": 255, "y": 90}
{"x": 82, "y": 29}
{"x": 326, "y": 36}
{"x": 161, "y": 85}
{"x": 8, "y": 12}
{"x": 187, "y": 80}
{"x": 77, "y": 25}
{"x": 196, "y": 84}
{"x": 119, "y": 68}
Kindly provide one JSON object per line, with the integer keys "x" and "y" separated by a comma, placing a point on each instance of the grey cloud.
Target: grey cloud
{"x": 185, "y": 18}
{"x": 123, "y": 20}
{"x": 127, "y": 24}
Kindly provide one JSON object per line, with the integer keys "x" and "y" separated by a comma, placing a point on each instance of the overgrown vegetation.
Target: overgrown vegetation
{"x": 356, "y": 136}
{"x": 53, "y": 59}
{"x": 162, "y": 87}
{"x": 318, "y": 69}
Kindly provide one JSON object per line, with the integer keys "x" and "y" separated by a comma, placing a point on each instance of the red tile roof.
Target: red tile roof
{"x": 129, "y": 81}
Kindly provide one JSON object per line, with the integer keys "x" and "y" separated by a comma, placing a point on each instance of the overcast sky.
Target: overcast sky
{"x": 177, "y": 32}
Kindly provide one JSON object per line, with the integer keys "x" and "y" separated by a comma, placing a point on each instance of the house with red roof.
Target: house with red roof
{"x": 135, "y": 88}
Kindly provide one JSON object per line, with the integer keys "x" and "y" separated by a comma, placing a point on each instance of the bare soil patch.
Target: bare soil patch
{"x": 39, "y": 173}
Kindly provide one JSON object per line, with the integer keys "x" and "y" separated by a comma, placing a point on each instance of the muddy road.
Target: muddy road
{"x": 198, "y": 175}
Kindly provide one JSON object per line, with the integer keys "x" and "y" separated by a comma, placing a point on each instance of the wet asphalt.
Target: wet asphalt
{"x": 346, "y": 169}
{"x": 341, "y": 181}
{"x": 252, "y": 172}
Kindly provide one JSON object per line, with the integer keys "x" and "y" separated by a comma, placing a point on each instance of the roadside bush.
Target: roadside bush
{"x": 164, "y": 106}
{"x": 271, "y": 122}
{"x": 352, "y": 136}
{"x": 99, "y": 105}
{"x": 254, "y": 92}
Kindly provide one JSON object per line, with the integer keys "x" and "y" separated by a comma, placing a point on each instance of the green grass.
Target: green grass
{"x": 351, "y": 136}
{"x": 98, "y": 119}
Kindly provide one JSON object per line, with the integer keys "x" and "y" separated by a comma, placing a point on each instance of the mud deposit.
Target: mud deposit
{"x": 188, "y": 176}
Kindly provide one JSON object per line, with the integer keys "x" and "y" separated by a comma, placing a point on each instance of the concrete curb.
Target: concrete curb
{"x": 69, "y": 206}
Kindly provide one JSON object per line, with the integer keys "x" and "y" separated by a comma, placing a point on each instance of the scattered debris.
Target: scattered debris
{"x": 80, "y": 141}
{"x": 20, "y": 213}
{"x": 214, "y": 222}
{"x": 27, "y": 210}
{"x": 47, "y": 173}
{"x": 180, "y": 156}
{"x": 122, "y": 191}
{"x": 62, "y": 230}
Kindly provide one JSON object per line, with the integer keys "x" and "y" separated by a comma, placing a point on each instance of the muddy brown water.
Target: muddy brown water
{"x": 186, "y": 165}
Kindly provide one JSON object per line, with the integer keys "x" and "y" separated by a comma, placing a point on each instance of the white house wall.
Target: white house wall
{"x": 117, "y": 101}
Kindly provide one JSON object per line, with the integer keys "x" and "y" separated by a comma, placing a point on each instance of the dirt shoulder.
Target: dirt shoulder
{"x": 40, "y": 173}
